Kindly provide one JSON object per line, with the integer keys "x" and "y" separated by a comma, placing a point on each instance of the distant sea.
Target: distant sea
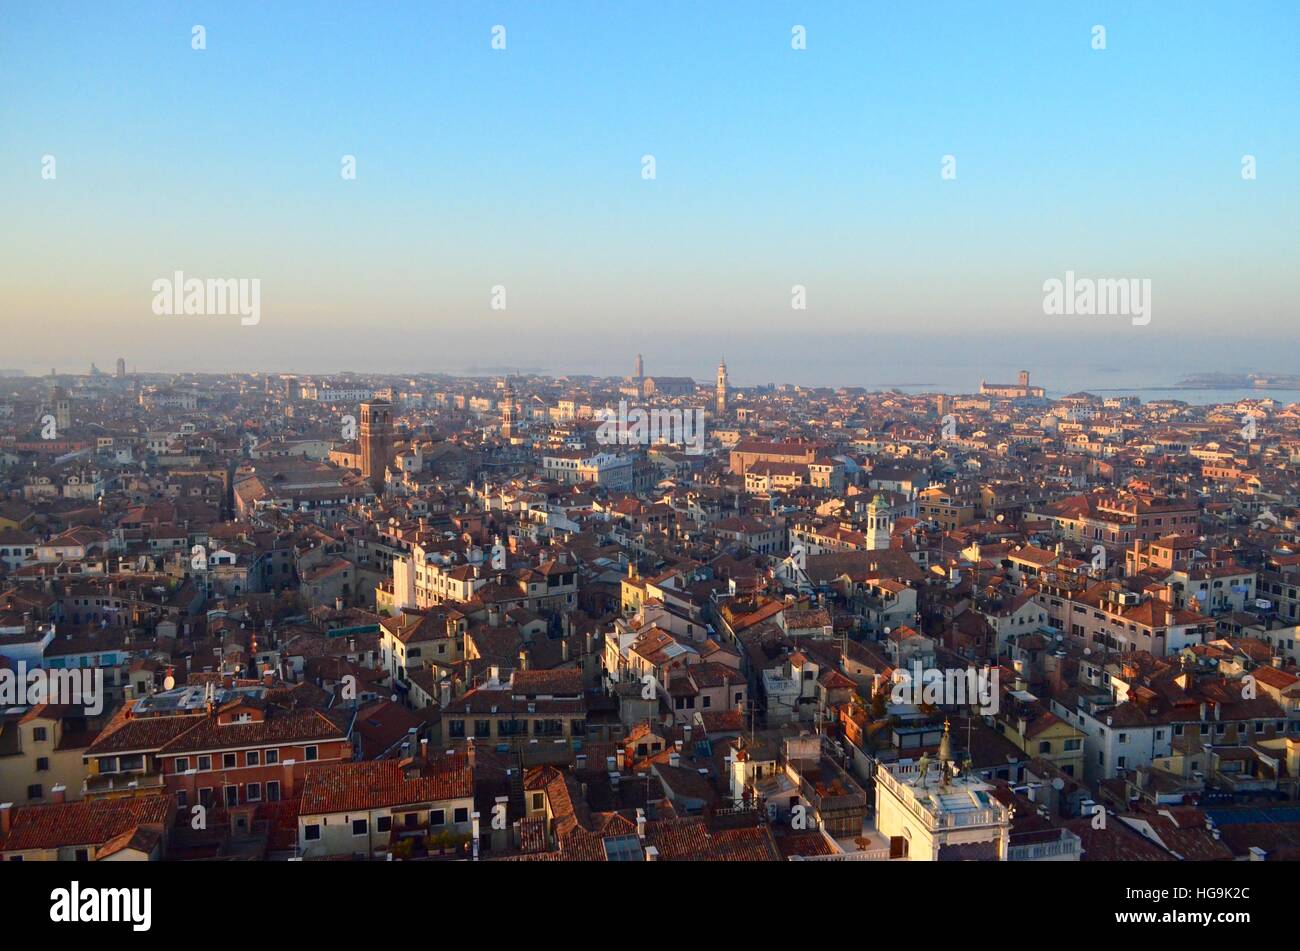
{"x": 1115, "y": 360}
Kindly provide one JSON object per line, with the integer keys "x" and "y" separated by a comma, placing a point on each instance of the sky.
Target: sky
{"x": 522, "y": 168}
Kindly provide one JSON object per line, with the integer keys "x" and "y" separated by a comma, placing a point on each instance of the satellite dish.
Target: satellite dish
{"x": 168, "y": 682}
{"x": 1058, "y": 783}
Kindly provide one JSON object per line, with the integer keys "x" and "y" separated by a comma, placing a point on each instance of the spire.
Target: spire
{"x": 945, "y": 745}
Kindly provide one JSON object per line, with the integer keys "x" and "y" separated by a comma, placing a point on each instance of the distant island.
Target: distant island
{"x": 1232, "y": 381}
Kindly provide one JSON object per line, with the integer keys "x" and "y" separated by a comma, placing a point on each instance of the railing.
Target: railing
{"x": 1067, "y": 844}
{"x": 869, "y": 855}
{"x": 120, "y": 782}
{"x": 907, "y": 795}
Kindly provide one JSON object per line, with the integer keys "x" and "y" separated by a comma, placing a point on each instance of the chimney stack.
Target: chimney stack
{"x": 6, "y": 817}
{"x": 59, "y": 793}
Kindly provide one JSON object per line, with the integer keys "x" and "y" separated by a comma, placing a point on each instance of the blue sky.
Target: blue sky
{"x": 521, "y": 167}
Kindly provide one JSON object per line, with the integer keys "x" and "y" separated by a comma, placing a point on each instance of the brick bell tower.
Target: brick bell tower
{"x": 376, "y": 440}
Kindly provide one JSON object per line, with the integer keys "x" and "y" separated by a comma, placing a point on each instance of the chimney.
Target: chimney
{"x": 6, "y": 817}
{"x": 564, "y": 650}
{"x": 424, "y": 749}
{"x": 59, "y": 793}
{"x": 686, "y": 733}
{"x": 268, "y": 676}
{"x": 674, "y": 758}
{"x": 470, "y": 755}
{"x": 338, "y": 603}
{"x": 621, "y": 756}
{"x": 589, "y": 642}
{"x": 474, "y": 831}
{"x": 640, "y": 824}
{"x": 580, "y": 761}
{"x": 1257, "y": 854}
{"x": 523, "y": 659}
{"x": 287, "y": 780}
{"x": 444, "y": 694}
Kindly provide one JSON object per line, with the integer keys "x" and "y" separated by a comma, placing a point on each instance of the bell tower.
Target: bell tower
{"x": 508, "y": 412}
{"x": 376, "y": 432}
{"x": 720, "y": 408}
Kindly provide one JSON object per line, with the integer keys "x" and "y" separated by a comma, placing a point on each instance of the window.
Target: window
{"x": 272, "y": 757}
{"x": 253, "y": 758}
{"x": 538, "y": 801}
{"x": 383, "y": 824}
{"x": 311, "y": 833}
{"x": 182, "y": 764}
{"x": 232, "y": 795}
{"x": 461, "y": 815}
{"x": 438, "y": 817}
{"x": 40, "y": 734}
{"x": 35, "y": 791}
{"x": 360, "y": 827}
{"x": 182, "y": 799}
{"x": 254, "y": 791}
{"x": 205, "y": 763}
{"x": 229, "y": 761}
{"x": 42, "y": 764}
{"x": 312, "y": 753}
{"x": 273, "y": 791}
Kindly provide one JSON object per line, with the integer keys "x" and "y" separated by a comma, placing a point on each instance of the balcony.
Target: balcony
{"x": 1064, "y": 846}
{"x": 117, "y": 784}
